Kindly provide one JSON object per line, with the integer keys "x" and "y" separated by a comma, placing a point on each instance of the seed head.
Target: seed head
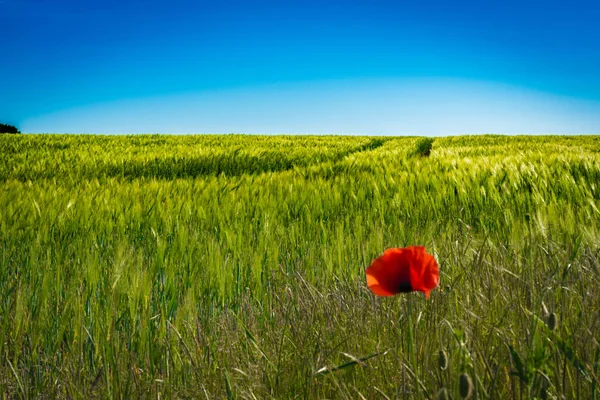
{"x": 552, "y": 321}
{"x": 466, "y": 386}
{"x": 545, "y": 385}
{"x": 443, "y": 394}
{"x": 442, "y": 360}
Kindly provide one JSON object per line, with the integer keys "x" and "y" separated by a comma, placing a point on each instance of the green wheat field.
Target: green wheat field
{"x": 232, "y": 266}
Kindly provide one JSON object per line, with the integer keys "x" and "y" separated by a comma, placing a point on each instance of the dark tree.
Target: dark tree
{"x": 4, "y": 128}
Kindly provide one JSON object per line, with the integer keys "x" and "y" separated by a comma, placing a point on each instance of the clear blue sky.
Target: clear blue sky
{"x": 370, "y": 67}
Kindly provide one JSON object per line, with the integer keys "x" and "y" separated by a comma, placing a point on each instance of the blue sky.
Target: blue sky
{"x": 371, "y": 67}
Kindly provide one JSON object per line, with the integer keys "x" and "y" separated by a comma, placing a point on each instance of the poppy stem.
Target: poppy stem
{"x": 409, "y": 347}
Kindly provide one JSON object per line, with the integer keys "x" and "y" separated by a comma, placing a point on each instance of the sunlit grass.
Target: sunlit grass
{"x": 233, "y": 266}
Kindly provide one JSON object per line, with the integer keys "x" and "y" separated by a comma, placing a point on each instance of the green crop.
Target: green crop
{"x": 233, "y": 266}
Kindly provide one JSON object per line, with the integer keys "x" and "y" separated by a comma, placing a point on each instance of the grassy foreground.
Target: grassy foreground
{"x": 233, "y": 267}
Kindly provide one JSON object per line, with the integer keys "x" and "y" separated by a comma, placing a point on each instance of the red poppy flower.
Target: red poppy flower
{"x": 403, "y": 270}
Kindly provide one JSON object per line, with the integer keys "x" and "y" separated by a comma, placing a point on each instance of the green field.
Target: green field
{"x": 233, "y": 266}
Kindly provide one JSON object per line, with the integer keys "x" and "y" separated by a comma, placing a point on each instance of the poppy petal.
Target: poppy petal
{"x": 424, "y": 271}
{"x": 376, "y": 287}
{"x": 389, "y": 273}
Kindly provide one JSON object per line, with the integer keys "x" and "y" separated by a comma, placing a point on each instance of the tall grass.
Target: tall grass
{"x": 233, "y": 266}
